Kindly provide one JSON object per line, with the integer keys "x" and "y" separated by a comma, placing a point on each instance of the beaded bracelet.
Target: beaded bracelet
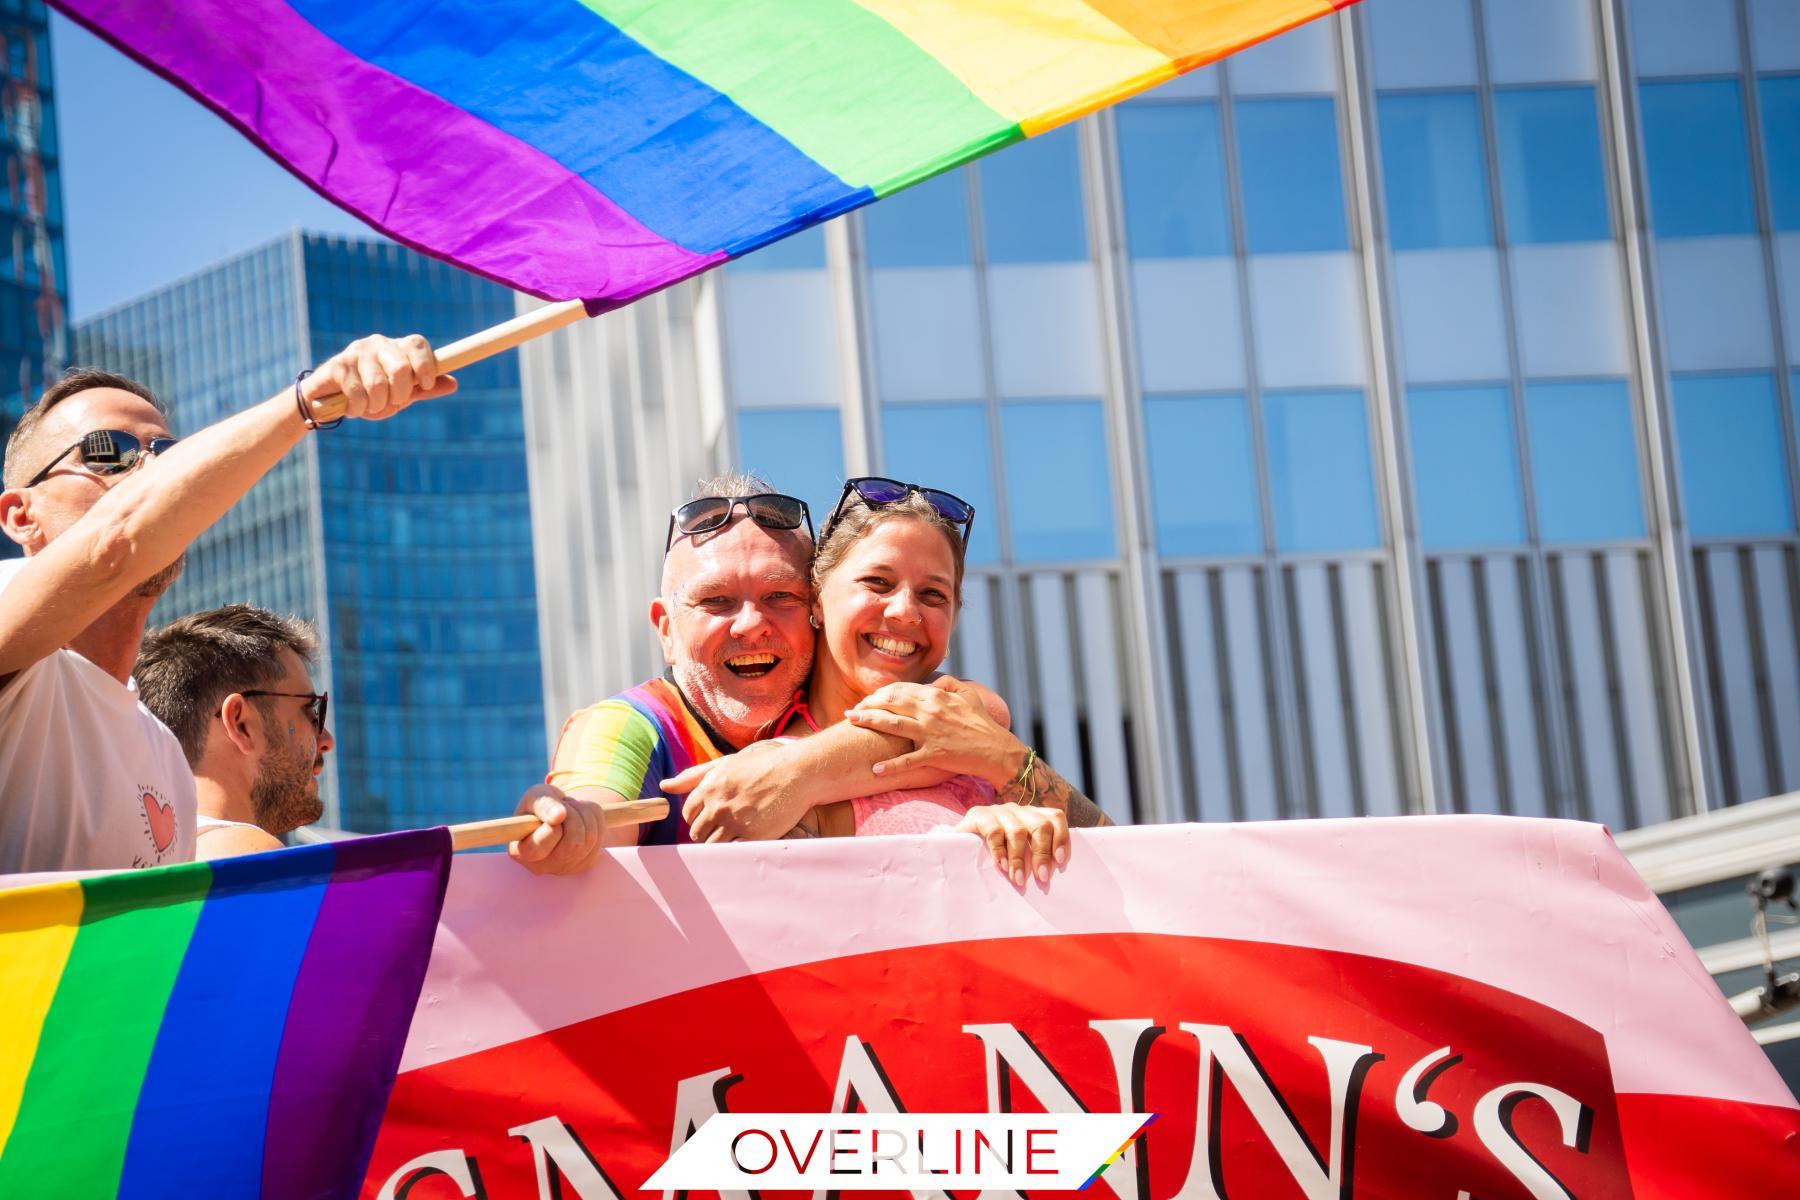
{"x": 306, "y": 409}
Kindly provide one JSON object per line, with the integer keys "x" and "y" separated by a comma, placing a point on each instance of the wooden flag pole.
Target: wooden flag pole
{"x": 501, "y": 830}
{"x": 477, "y": 346}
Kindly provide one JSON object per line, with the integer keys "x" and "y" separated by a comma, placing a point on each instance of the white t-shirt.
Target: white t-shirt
{"x": 89, "y": 779}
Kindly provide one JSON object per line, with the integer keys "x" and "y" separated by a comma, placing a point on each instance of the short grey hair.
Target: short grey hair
{"x": 726, "y": 485}
{"x": 731, "y": 483}
{"x": 186, "y": 669}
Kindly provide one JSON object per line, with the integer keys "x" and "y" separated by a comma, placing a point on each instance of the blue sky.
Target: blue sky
{"x": 156, "y": 187}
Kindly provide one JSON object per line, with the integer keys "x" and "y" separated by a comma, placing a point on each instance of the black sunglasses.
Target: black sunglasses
{"x": 316, "y": 704}
{"x": 771, "y": 510}
{"x": 106, "y": 452}
{"x": 877, "y": 492}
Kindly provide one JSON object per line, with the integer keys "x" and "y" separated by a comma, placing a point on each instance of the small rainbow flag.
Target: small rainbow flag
{"x": 601, "y": 149}
{"x": 212, "y": 1029}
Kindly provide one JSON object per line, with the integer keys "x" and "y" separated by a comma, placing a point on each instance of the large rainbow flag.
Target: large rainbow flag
{"x": 601, "y": 149}
{"x": 212, "y": 1029}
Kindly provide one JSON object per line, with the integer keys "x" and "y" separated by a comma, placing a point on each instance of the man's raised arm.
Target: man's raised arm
{"x": 149, "y": 516}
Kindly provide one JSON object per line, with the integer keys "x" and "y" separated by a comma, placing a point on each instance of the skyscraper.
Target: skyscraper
{"x": 406, "y": 542}
{"x": 1397, "y": 417}
{"x": 33, "y": 267}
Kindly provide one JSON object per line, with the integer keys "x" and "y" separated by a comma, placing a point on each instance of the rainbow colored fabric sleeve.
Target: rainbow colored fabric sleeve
{"x": 606, "y": 745}
{"x": 601, "y": 149}
{"x": 212, "y": 1029}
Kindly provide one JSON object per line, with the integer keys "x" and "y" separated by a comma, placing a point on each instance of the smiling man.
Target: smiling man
{"x": 732, "y": 619}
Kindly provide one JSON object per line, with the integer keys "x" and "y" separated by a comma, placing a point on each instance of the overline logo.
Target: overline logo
{"x": 907, "y": 1151}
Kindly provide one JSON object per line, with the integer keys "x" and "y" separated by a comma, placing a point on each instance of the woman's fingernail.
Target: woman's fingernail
{"x": 1062, "y": 855}
{"x": 1043, "y": 872}
{"x": 1018, "y": 876}
{"x": 881, "y": 768}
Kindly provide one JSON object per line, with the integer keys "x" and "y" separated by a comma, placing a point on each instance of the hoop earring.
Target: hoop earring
{"x": 813, "y": 620}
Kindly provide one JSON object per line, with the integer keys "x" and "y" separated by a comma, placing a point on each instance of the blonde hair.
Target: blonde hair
{"x": 858, "y": 520}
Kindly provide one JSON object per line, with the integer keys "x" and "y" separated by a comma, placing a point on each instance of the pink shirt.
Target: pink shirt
{"x": 917, "y": 810}
{"x": 911, "y": 810}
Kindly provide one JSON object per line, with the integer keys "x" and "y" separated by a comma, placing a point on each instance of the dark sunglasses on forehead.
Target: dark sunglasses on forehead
{"x": 877, "y": 492}
{"x": 106, "y": 452}
{"x": 316, "y": 704}
{"x": 771, "y": 510}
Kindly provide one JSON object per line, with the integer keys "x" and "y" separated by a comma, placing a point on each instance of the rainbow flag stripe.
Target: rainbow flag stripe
{"x": 212, "y": 1029}
{"x": 680, "y": 743}
{"x": 601, "y": 149}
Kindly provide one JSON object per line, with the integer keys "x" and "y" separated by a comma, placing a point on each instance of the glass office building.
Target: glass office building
{"x": 33, "y": 266}
{"x": 406, "y": 542}
{"x": 1397, "y": 417}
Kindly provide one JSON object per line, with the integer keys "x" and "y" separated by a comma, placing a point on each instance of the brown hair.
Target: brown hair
{"x": 73, "y": 382}
{"x": 186, "y": 669}
{"x": 858, "y": 520}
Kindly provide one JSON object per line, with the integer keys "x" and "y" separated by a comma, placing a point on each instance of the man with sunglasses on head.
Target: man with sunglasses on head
{"x": 732, "y": 620}
{"x": 89, "y": 778}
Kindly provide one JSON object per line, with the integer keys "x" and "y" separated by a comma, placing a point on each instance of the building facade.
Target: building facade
{"x": 33, "y": 265}
{"x": 406, "y": 542}
{"x": 1397, "y": 417}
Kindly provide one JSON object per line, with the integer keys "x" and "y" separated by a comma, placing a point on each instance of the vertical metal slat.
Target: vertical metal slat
{"x": 1472, "y": 728}
{"x": 1587, "y": 664}
{"x": 1056, "y": 677}
{"x": 1637, "y": 690}
{"x": 1334, "y": 794}
{"x": 1110, "y": 786}
{"x": 1736, "y": 675}
{"x": 1507, "y": 629}
{"x": 1250, "y": 700}
{"x": 1778, "y": 604}
{"x": 1369, "y": 689}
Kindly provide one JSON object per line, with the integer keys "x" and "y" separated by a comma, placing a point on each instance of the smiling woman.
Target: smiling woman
{"x": 887, "y": 581}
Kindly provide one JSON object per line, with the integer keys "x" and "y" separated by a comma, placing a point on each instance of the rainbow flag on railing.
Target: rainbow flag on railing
{"x": 212, "y": 1029}
{"x": 601, "y": 149}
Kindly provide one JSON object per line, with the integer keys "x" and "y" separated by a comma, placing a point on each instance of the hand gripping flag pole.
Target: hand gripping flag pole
{"x": 478, "y": 346}
{"x": 498, "y": 832}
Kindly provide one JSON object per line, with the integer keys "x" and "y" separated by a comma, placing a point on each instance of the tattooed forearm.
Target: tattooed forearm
{"x": 1051, "y": 790}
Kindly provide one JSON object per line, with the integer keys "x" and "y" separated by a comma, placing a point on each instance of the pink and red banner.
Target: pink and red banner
{"x": 1457, "y": 1007}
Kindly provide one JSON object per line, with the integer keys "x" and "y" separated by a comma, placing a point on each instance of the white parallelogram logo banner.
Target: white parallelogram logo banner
{"x": 870, "y": 1151}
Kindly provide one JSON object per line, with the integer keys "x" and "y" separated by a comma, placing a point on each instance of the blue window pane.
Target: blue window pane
{"x": 1465, "y": 467}
{"x": 945, "y": 446}
{"x": 1031, "y": 201}
{"x": 1552, "y": 181}
{"x": 1058, "y": 482}
{"x": 1584, "y": 463}
{"x": 1780, "y": 98}
{"x": 1174, "y": 174}
{"x": 1293, "y": 189}
{"x": 794, "y": 252}
{"x": 1202, "y": 475}
{"x": 1319, "y": 472}
{"x": 927, "y": 225}
{"x": 1733, "y": 465}
{"x": 800, "y": 451}
{"x": 1435, "y": 170}
{"x": 1695, "y": 154}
